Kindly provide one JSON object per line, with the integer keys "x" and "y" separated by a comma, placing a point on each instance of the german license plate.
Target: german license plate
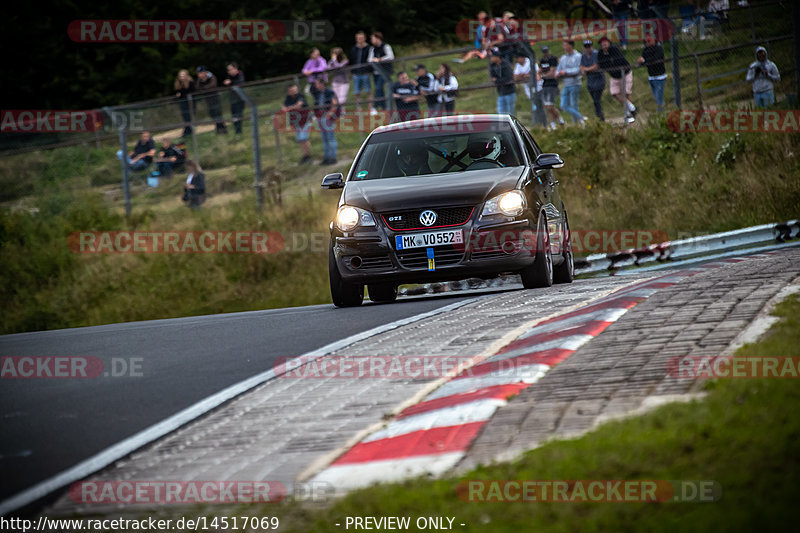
{"x": 433, "y": 238}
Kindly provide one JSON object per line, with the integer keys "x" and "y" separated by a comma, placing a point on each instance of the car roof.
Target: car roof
{"x": 435, "y": 122}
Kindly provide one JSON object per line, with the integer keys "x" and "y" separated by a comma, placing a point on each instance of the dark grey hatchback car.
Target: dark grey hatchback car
{"x": 447, "y": 198}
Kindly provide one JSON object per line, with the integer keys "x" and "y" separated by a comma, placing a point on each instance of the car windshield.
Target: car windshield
{"x": 402, "y": 153}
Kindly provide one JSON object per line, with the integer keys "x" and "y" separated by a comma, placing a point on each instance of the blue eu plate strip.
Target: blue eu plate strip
{"x": 431, "y": 261}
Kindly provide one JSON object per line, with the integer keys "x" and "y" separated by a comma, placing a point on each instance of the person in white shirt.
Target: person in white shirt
{"x": 446, "y": 86}
{"x": 531, "y": 84}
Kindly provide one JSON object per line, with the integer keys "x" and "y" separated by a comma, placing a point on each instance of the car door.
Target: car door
{"x": 546, "y": 183}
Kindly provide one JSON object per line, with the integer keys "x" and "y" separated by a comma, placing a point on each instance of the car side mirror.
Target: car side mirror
{"x": 548, "y": 161}
{"x": 333, "y": 181}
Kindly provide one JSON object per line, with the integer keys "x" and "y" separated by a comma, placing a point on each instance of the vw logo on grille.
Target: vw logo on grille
{"x": 427, "y": 218}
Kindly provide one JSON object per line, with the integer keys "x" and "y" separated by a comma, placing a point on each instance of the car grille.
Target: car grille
{"x": 445, "y": 216}
{"x": 418, "y": 257}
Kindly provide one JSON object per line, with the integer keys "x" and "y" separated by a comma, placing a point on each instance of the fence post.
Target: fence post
{"x": 256, "y": 145}
{"x": 676, "y": 68}
{"x": 699, "y": 84}
{"x": 123, "y": 142}
{"x": 277, "y": 140}
{"x": 190, "y": 102}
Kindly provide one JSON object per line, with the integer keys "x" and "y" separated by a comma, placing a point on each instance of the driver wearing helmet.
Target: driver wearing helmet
{"x": 412, "y": 159}
{"x": 485, "y": 149}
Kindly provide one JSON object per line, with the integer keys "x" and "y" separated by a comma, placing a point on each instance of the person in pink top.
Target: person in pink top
{"x": 315, "y": 68}
{"x": 341, "y": 81}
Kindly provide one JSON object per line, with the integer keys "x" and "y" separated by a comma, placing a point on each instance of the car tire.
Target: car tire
{"x": 540, "y": 273}
{"x": 382, "y": 292}
{"x": 344, "y": 294}
{"x": 565, "y": 272}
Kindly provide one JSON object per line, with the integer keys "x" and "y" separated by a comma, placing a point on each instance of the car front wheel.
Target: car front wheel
{"x": 540, "y": 273}
{"x": 344, "y": 294}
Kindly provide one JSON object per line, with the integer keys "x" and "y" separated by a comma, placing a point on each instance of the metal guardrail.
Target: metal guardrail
{"x": 694, "y": 247}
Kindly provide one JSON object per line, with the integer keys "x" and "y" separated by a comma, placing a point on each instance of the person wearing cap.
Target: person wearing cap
{"x": 569, "y": 69}
{"x": 611, "y": 60}
{"x": 653, "y": 58}
{"x": 424, "y": 82}
{"x": 595, "y": 78}
{"x": 548, "y": 65}
{"x": 206, "y": 85}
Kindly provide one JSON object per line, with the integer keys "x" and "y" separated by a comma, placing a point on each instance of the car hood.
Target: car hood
{"x": 454, "y": 188}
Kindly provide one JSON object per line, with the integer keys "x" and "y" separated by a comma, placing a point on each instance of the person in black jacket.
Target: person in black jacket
{"x": 184, "y": 86}
{"x": 359, "y": 55}
{"x": 620, "y": 76}
{"x": 194, "y": 193}
{"x": 653, "y": 58}
{"x": 170, "y": 158}
{"x": 503, "y": 78}
{"x": 206, "y": 81}
{"x": 235, "y": 77}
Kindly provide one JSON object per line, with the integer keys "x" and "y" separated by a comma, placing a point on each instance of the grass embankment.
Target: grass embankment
{"x": 637, "y": 178}
{"x": 743, "y": 436}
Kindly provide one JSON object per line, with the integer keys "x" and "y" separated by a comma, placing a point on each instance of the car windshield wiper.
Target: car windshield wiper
{"x": 451, "y": 160}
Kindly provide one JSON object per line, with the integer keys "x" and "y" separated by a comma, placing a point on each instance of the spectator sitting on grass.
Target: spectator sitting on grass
{"x": 763, "y": 72}
{"x": 480, "y": 50}
{"x": 194, "y": 193}
{"x": 170, "y": 158}
{"x": 142, "y": 154}
{"x": 299, "y": 117}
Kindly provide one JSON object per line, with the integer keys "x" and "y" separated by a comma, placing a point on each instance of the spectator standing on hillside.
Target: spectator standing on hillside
{"x": 425, "y": 83}
{"x": 531, "y": 81}
{"x": 382, "y": 57}
{"x": 611, "y": 60}
{"x": 446, "y": 87}
{"x": 235, "y": 77}
{"x": 314, "y": 68}
{"x": 406, "y": 99}
{"x": 206, "y": 81}
{"x": 184, "y": 86}
{"x": 340, "y": 82}
{"x": 299, "y": 117}
{"x": 569, "y": 69}
{"x": 170, "y": 158}
{"x": 548, "y": 65}
{"x": 194, "y": 192}
{"x": 503, "y": 78}
{"x": 359, "y": 55}
{"x": 142, "y": 154}
{"x": 327, "y": 110}
{"x": 763, "y": 73}
{"x": 620, "y": 11}
{"x": 595, "y": 78}
{"x": 653, "y": 58}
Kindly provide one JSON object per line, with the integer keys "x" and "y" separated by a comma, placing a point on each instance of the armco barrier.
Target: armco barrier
{"x": 682, "y": 249}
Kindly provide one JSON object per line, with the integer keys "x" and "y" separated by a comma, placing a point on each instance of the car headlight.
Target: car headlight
{"x": 510, "y": 204}
{"x": 348, "y": 217}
